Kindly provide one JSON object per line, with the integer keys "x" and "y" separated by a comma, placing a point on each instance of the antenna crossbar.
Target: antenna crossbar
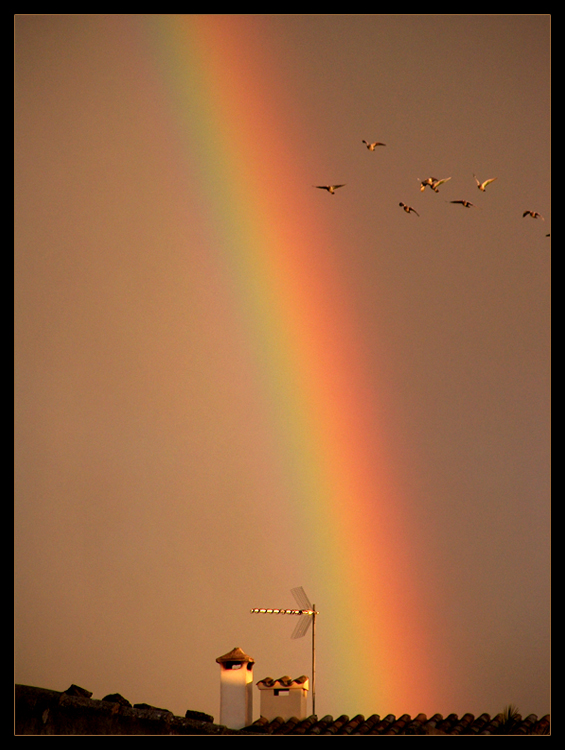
{"x": 284, "y": 612}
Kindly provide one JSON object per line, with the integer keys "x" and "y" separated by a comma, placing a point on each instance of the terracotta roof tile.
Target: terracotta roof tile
{"x": 462, "y": 725}
{"x": 431, "y": 726}
{"x": 289, "y": 725}
{"x": 527, "y": 724}
{"x": 305, "y": 726}
{"x": 403, "y": 725}
{"x": 445, "y": 725}
{"x": 382, "y": 725}
{"x": 336, "y": 725}
{"x": 352, "y": 725}
{"x": 367, "y": 725}
{"x": 479, "y": 724}
{"x": 320, "y": 725}
{"x": 543, "y": 726}
{"x": 415, "y": 726}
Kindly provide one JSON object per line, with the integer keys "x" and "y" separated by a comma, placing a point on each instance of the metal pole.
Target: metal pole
{"x": 314, "y": 660}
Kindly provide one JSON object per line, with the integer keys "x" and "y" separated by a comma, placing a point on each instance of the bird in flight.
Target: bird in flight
{"x": 482, "y": 185}
{"x": 427, "y": 182}
{"x": 330, "y": 188}
{"x": 408, "y": 209}
{"x": 533, "y": 214}
{"x": 372, "y": 146}
{"x": 432, "y": 182}
{"x": 467, "y": 204}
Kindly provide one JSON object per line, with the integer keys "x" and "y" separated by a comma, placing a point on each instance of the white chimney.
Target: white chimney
{"x": 284, "y": 697}
{"x": 236, "y": 689}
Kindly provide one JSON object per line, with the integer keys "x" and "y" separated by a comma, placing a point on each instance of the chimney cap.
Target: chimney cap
{"x": 284, "y": 682}
{"x": 236, "y": 654}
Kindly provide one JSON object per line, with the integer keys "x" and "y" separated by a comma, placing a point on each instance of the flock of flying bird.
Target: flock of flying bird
{"x": 433, "y": 183}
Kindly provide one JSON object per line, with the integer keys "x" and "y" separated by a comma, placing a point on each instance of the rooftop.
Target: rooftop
{"x": 403, "y": 725}
{"x": 39, "y": 711}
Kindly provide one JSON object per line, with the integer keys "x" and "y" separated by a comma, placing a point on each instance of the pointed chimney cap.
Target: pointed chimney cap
{"x": 235, "y": 654}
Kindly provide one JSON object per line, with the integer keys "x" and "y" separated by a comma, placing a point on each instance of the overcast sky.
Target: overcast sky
{"x": 229, "y": 383}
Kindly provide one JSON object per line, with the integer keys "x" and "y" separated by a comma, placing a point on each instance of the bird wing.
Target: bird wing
{"x": 329, "y": 188}
{"x": 487, "y": 182}
{"x": 437, "y": 183}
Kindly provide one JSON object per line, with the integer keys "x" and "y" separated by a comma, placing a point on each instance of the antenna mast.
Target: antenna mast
{"x": 307, "y": 613}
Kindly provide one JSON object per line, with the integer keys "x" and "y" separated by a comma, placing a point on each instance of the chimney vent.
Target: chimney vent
{"x": 236, "y": 689}
{"x": 284, "y": 697}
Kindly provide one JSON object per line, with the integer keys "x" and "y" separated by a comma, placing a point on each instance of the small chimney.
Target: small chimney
{"x": 236, "y": 689}
{"x": 284, "y": 697}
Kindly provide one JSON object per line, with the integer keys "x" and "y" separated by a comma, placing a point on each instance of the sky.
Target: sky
{"x": 230, "y": 383}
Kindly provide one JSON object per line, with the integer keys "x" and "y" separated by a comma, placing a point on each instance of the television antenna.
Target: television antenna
{"x": 307, "y": 614}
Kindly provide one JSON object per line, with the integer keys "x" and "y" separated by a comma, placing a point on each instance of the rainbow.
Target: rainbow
{"x": 320, "y": 399}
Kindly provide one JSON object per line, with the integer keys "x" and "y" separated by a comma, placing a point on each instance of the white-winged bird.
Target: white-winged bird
{"x": 432, "y": 182}
{"x": 372, "y": 146}
{"x": 330, "y": 188}
{"x": 482, "y": 185}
